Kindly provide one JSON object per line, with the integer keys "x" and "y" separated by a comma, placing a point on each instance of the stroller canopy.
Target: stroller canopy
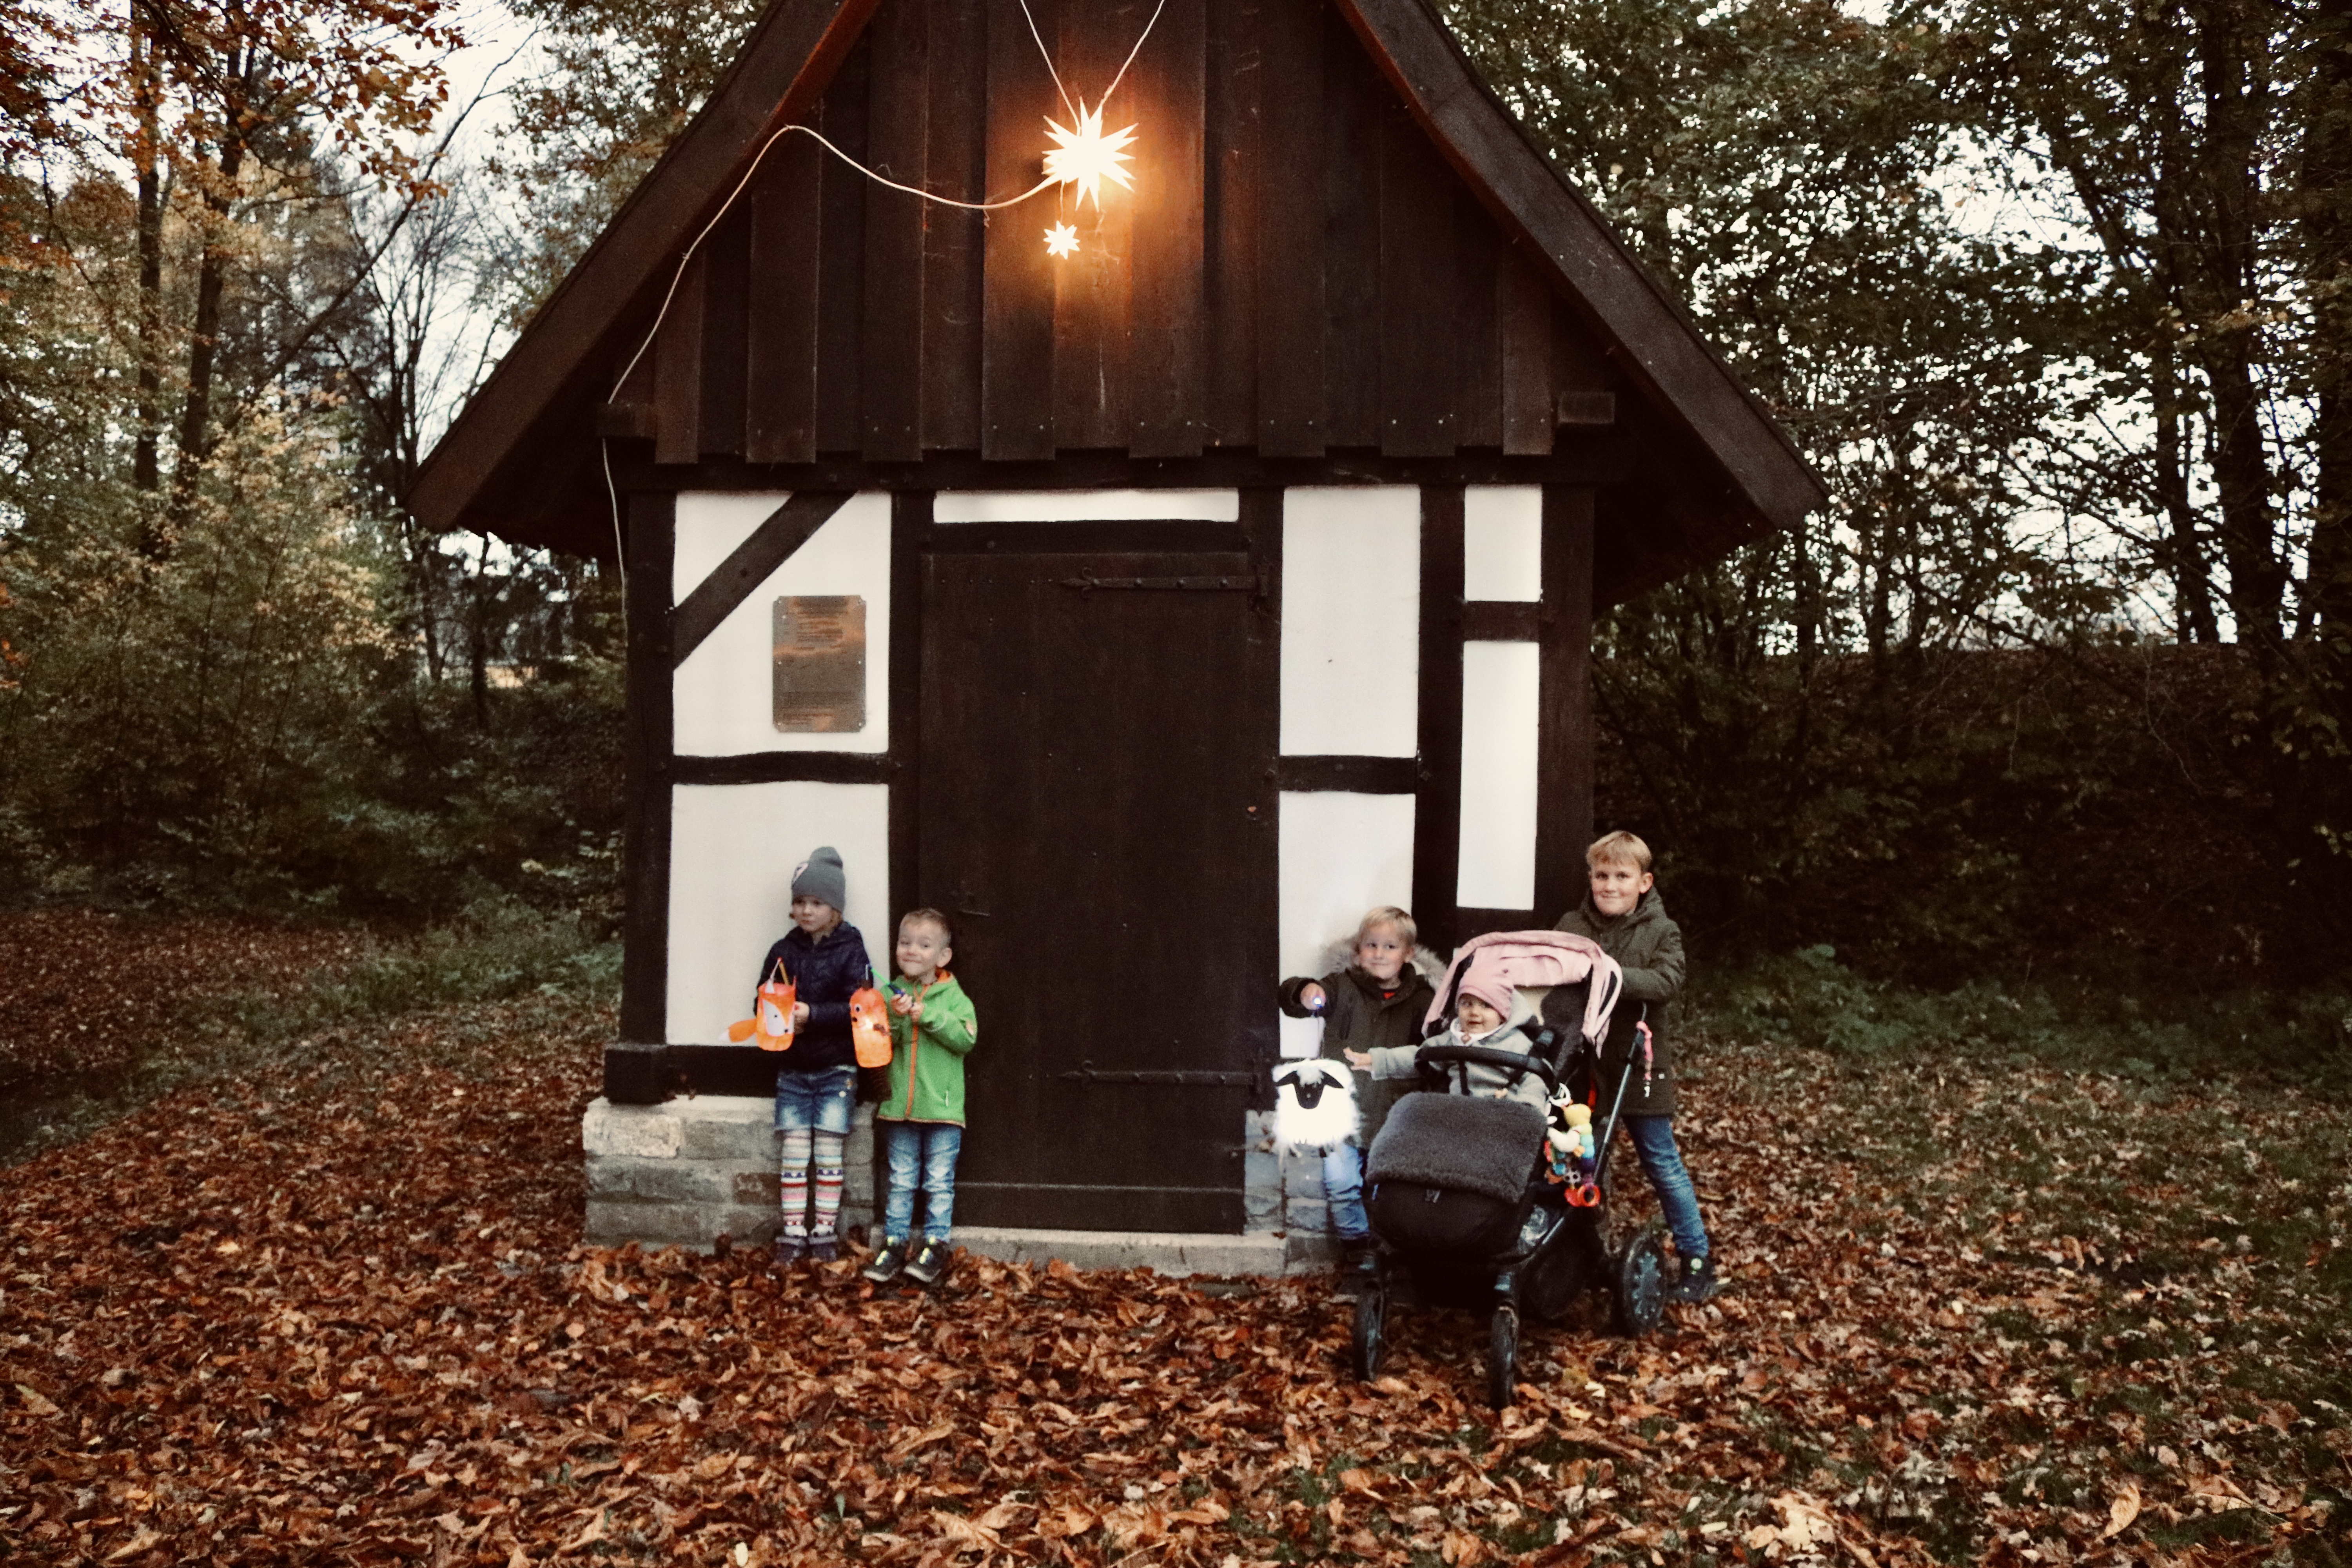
{"x": 1524, "y": 959}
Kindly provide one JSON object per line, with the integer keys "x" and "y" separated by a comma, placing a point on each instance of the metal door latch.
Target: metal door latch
{"x": 1171, "y": 1078}
{"x": 1240, "y": 584}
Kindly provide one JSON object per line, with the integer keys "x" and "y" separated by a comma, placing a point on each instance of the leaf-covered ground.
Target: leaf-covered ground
{"x": 84, "y": 991}
{"x": 339, "y": 1311}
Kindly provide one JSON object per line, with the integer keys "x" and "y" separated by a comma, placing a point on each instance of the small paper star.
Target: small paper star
{"x": 1062, "y": 240}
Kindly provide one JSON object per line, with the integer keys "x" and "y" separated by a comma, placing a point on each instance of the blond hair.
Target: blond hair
{"x": 929, "y": 917}
{"x": 1388, "y": 917}
{"x": 1618, "y": 849}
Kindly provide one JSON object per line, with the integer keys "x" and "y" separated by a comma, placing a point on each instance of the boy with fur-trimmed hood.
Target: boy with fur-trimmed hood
{"x": 1373, "y": 997}
{"x": 1622, "y": 912}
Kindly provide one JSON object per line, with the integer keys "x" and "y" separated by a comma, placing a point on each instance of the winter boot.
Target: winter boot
{"x": 1699, "y": 1281}
{"x": 888, "y": 1262}
{"x": 931, "y": 1261}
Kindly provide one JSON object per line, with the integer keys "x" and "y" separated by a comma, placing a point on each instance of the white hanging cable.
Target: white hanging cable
{"x": 1130, "y": 54}
{"x": 605, "y": 449}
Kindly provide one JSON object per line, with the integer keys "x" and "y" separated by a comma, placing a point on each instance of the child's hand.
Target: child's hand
{"x": 800, "y": 1016}
{"x": 899, "y": 1001}
{"x": 1310, "y": 996}
{"x": 1360, "y": 1060}
{"x": 914, "y": 1007}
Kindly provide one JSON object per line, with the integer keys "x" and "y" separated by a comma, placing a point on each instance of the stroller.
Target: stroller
{"x": 1462, "y": 1209}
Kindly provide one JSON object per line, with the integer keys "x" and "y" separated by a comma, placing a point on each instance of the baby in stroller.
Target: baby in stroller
{"x": 1490, "y": 1014}
{"x": 1458, "y": 1188}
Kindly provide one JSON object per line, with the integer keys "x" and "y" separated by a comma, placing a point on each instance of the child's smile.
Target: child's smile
{"x": 1618, "y": 886}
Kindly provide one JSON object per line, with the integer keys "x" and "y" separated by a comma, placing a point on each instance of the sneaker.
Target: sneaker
{"x": 929, "y": 1263}
{"x": 823, "y": 1248}
{"x": 788, "y": 1250}
{"x": 1356, "y": 1255}
{"x": 1699, "y": 1282}
{"x": 888, "y": 1262}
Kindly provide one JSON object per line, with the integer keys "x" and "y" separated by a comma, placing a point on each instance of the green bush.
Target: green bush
{"x": 1810, "y": 1000}
{"x": 499, "y": 949}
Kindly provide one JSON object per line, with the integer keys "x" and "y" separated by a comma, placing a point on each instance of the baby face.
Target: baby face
{"x": 1476, "y": 1018}
{"x": 1618, "y": 886}
{"x": 1380, "y": 953}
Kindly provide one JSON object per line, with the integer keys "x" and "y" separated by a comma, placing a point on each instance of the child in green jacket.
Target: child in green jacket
{"x": 933, "y": 1029}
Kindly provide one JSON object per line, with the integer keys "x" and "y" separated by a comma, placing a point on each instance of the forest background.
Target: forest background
{"x": 2039, "y": 732}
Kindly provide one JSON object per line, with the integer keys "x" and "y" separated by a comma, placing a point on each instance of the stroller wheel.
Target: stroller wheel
{"x": 1371, "y": 1331}
{"x": 1502, "y": 1357}
{"x": 1640, "y": 1283}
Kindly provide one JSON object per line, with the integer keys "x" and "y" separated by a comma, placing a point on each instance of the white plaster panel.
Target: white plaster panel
{"x": 1085, "y": 506}
{"x": 732, "y": 850}
{"x": 1350, "y": 620}
{"x": 1500, "y": 712}
{"x": 1502, "y": 541}
{"x": 723, "y": 696}
{"x": 1341, "y": 854}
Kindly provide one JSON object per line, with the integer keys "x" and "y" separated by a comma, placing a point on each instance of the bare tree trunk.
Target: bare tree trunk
{"x": 2234, "y": 111}
{"x": 197, "y": 413}
{"x": 212, "y": 278}
{"x": 2192, "y": 579}
{"x": 146, "y": 474}
{"x": 2328, "y": 228}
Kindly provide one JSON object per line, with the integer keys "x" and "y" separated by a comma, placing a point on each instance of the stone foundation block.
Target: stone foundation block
{"x": 682, "y": 1172}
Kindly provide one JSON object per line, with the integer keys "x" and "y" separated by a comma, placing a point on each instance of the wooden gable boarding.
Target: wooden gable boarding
{"x": 1216, "y": 582}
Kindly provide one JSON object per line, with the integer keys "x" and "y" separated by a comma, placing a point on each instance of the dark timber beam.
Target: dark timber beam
{"x": 771, "y": 544}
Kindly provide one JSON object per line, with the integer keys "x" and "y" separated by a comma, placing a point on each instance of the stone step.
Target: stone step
{"x": 1173, "y": 1253}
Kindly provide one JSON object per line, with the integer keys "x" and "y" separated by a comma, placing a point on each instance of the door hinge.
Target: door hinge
{"x": 1169, "y": 1078}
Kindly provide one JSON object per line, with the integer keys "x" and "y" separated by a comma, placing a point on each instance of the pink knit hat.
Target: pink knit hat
{"x": 1485, "y": 980}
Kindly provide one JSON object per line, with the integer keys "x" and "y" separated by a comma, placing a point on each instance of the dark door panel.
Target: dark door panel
{"x": 1097, "y": 813}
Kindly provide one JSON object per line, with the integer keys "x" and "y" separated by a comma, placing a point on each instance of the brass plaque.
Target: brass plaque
{"x": 821, "y": 663}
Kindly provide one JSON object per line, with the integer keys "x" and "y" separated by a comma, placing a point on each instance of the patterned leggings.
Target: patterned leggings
{"x": 808, "y": 1153}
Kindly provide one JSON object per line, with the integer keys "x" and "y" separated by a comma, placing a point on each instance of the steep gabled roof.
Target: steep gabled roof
{"x": 519, "y": 460}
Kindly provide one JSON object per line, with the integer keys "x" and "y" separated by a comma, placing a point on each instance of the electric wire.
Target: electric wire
{"x": 605, "y": 443}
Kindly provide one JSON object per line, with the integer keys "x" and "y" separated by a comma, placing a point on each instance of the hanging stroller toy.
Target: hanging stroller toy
{"x": 1459, "y": 1185}
{"x": 1314, "y": 1104}
{"x": 1569, "y": 1158}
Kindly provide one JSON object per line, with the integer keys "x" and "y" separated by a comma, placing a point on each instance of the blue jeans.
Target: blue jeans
{"x": 927, "y": 1149}
{"x": 1343, "y": 1189}
{"x": 815, "y": 1101}
{"x": 1653, "y": 1142}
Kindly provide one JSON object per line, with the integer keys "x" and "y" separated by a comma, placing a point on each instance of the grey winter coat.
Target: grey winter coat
{"x": 1487, "y": 1082}
{"x": 1648, "y": 946}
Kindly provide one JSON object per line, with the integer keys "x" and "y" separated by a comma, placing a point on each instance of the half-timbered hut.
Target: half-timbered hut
{"x": 1154, "y": 609}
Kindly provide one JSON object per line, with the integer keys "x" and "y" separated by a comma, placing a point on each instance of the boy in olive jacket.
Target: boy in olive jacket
{"x": 1624, "y": 913}
{"x": 933, "y": 1029}
{"x": 1375, "y": 1000}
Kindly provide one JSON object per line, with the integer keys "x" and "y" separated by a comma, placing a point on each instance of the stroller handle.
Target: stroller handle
{"x": 1486, "y": 1055}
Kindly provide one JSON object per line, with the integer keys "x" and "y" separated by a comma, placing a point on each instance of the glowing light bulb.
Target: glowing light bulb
{"x": 1061, "y": 239}
{"x": 1089, "y": 155}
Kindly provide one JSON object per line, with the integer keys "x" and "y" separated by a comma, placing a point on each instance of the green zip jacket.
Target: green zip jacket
{"x": 927, "y": 1053}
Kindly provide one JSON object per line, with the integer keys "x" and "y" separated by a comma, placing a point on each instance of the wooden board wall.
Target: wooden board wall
{"x": 1297, "y": 271}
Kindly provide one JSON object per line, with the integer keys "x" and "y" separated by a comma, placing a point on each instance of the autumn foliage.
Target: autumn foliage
{"x": 337, "y": 1311}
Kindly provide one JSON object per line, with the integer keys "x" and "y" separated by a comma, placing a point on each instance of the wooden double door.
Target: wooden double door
{"x": 1097, "y": 813}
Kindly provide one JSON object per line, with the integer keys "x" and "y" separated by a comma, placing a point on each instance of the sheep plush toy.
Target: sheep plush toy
{"x": 1314, "y": 1104}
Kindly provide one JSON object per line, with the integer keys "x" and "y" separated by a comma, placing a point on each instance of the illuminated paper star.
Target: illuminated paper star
{"x": 1061, "y": 240}
{"x": 1089, "y": 155}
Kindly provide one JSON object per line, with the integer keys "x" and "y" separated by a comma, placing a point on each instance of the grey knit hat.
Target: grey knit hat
{"x": 821, "y": 876}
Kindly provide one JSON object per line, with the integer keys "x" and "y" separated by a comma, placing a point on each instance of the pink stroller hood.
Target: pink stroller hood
{"x": 1518, "y": 958}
